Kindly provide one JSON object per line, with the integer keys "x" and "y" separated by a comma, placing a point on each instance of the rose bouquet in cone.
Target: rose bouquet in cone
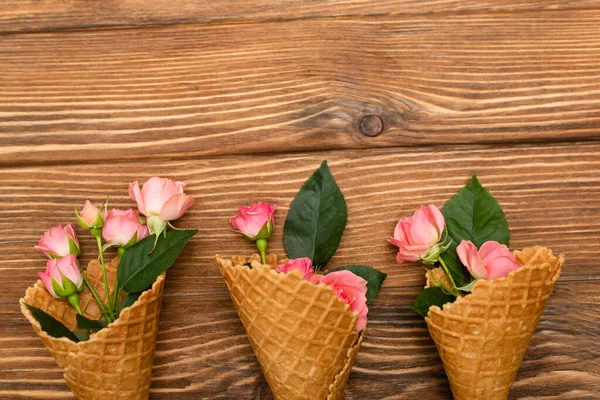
{"x": 100, "y": 323}
{"x": 483, "y": 302}
{"x": 305, "y": 326}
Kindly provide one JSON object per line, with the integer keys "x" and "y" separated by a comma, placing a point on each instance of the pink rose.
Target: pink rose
{"x": 304, "y": 265}
{"x": 418, "y": 235}
{"x": 62, "y": 277}
{"x": 351, "y": 289}
{"x": 160, "y": 200}
{"x": 91, "y": 216}
{"x": 493, "y": 260}
{"x": 255, "y": 222}
{"x": 58, "y": 242}
{"x": 123, "y": 228}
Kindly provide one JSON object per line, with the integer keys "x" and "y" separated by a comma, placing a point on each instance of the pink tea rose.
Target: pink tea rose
{"x": 91, "y": 216}
{"x": 59, "y": 242}
{"x": 123, "y": 228}
{"x": 493, "y": 260}
{"x": 351, "y": 289}
{"x": 255, "y": 222}
{"x": 417, "y": 237}
{"x": 62, "y": 277}
{"x": 304, "y": 265}
{"x": 160, "y": 200}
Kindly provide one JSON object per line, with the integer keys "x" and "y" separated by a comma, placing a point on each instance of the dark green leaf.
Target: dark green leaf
{"x": 90, "y": 324}
{"x": 139, "y": 268}
{"x": 82, "y": 336}
{"x": 472, "y": 214}
{"x": 373, "y": 277}
{"x": 50, "y": 325}
{"x": 433, "y": 296}
{"x": 316, "y": 220}
{"x": 129, "y": 300}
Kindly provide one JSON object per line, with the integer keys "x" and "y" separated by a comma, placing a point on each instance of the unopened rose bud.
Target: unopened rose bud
{"x": 91, "y": 216}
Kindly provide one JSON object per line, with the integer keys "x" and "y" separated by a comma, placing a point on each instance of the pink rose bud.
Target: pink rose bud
{"x": 91, "y": 216}
{"x": 160, "y": 200}
{"x": 58, "y": 242}
{"x": 417, "y": 237}
{"x": 303, "y": 265}
{"x": 351, "y": 289}
{"x": 493, "y": 260}
{"x": 255, "y": 222}
{"x": 123, "y": 228}
{"x": 63, "y": 279}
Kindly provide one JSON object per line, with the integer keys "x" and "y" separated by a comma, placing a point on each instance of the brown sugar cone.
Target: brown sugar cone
{"x": 116, "y": 362}
{"x": 483, "y": 337}
{"x": 304, "y": 337}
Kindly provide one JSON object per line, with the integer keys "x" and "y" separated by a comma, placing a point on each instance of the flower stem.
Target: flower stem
{"x": 116, "y": 292}
{"x": 101, "y": 304}
{"x": 261, "y": 245}
{"x": 96, "y": 233}
{"x": 445, "y": 267}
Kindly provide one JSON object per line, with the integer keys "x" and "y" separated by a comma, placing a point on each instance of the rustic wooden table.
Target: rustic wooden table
{"x": 242, "y": 100}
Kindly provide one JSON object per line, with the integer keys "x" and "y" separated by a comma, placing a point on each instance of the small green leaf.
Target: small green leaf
{"x": 472, "y": 214}
{"x": 373, "y": 277}
{"x": 140, "y": 266}
{"x": 129, "y": 300}
{"x": 90, "y": 324}
{"x": 316, "y": 220}
{"x": 82, "y": 336}
{"x": 50, "y": 325}
{"x": 433, "y": 296}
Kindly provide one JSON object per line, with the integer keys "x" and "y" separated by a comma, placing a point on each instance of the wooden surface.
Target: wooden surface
{"x": 243, "y": 102}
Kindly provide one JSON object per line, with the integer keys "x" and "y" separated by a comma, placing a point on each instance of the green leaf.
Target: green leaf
{"x": 50, "y": 325}
{"x": 140, "y": 266}
{"x": 316, "y": 220}
{"x": 90, "y": 324}
{"x": 472, "y": 214}
{"x": 129, "y": 300}
{"x": 373, "y": 277}
{"x": 82, "y": 336}
{"x": 433, "y": 296}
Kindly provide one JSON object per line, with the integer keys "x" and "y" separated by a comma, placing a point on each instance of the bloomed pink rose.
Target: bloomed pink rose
{"x": 123, "y": 228}
{"x": 255, "y": 222}
{"x": 59, "y": 242}
{"x": 416, "y": 235}
{"x": 303, "y": 265}
{"x": 56, "y": 270}
{"x": 160, "y": 200}
{"x": 493, "y": 260}
{"x": 351, "y": 289}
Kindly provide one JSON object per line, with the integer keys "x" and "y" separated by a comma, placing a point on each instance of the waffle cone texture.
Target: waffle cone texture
{"x": 304, "y": 337}
{"x": 483, "y": 336}
{"x": 116, "y": 362}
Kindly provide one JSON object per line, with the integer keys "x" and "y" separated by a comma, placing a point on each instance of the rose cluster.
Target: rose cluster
{"x": 420, "y": 237}
{"x": 159, "y": 202}
{"x": 351, "y": 289}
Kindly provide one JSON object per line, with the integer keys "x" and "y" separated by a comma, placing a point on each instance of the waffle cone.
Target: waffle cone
{"x": 116, "y": 362}
{"x": 304, "y": 337}
{"x": 483, "y": 337}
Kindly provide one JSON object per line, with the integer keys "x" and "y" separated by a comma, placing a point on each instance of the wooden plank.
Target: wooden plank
{"x": 551, "y": 195}
{"x": 32, "y": 15}
{"x": 299, "y": 86}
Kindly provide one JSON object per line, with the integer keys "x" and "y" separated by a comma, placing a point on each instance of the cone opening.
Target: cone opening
{"x": 38, "y": 287}
{"x": 543, "y": 261}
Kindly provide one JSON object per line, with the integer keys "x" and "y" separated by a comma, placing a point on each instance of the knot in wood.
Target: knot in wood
{"x": 371, "y": 125}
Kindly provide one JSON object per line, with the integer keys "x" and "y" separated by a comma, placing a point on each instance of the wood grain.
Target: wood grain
{"x": 32, "y": 15}
{"x": 551, "y": 195}
{"x": 300, "y": 85}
